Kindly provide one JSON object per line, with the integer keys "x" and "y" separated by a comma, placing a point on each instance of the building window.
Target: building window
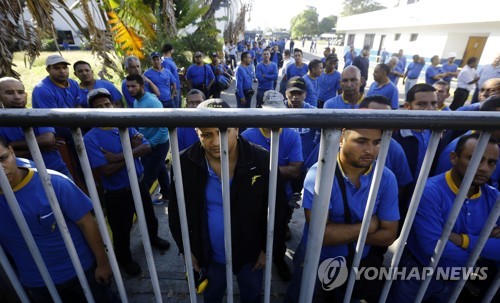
{"x": 396, "y": 37}
{"x": 350, "y": 39}
{"x": 413, "y": 37}
{"x": 65, "y": 35}
{"x": 369, "y": 38}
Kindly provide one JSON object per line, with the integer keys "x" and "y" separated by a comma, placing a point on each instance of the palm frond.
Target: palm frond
{"x": 125, "y": 36}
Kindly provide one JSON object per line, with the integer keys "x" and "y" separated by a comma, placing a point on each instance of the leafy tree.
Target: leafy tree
{"x": 354, "y": 7}
{"x": 305, "y": 23}
{"x": 326, "y": 24}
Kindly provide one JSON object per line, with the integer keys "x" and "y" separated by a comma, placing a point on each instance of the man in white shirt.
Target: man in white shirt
{"x": 287, "y": 61}
{"x": 466, "y": 82}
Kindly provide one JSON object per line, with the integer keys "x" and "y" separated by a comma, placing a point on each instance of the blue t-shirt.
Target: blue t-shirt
{"x": 244, "y": 78}
{"x": 400, "y": 68}
{"x": 348, "y": 57}
{"x": 115, "y": 93}
{"x": 275, "y": 58}
{"x": 309, "y": 137}
{"x": 196, "y": 74}
{"x": 328, "y": 85}
{"x": 164, "y": 80}
{"x": 48, "y": 94}
{"x": 430, "y": 73}
{"x": 414, "y": 70}
{"x": 386, "y": 204}
{"x": 215, "y": 215}
{"x": 41, "y": 221}
{"x": 448, "y": 68}
{"x": 155, "y": 135}
{"x": 293, "y": 71}
{"x": 169, "y": 64}
{"x": 186, "y": 136}
{"x": 266, "y": 74}
{"x": 128, "y": 97}
{"x": 388, "y": 90}
{"x": 258, "y": 54}
{"x": 289, "y": 150}
{"x": 433, "y": 211}
{"x": 338, "y": 102}
{"x": 312, "y": 90}
{"x": 52, "y": 159}
{"x": 109, "y": 139}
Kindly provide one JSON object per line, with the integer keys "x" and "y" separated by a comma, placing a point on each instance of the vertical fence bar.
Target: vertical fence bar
{"x": 273, "y": 179}
{"x": 455, "y": 211}
{"x": 226, "y": 204}
{"x": 9, "y": 271}
{"x": 54, "y": 204}
{"x": 412, "y": 210}
{"x": 139, "y": 210}
{"x": 327, "y": 162}
{"x": 488, "y": 297}
{"x": 28, "y": 237}
{"x": 483, "y": 237}
{"x": 179, "y": 189}
{"x": 370, "y": 205}
{"x": 99, "y": 215}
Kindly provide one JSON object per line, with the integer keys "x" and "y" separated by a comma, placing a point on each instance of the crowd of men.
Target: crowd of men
{"x": 284, "y": 82}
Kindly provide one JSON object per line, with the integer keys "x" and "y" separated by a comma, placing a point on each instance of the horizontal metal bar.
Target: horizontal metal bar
{"x": 315, "y": 118}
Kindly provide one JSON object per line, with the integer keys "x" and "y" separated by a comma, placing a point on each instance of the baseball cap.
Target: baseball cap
{"x": 332, "y": 57}
{"x": 296, "y": 84}
{"x": 273, "y": 99}
{"x": 96, "y": 93}
{"x": 213, "y": 103}
{"x": 215, "y": 55}
{"x": 452, "y": 55}
{"x": 154, "y": 54}
{"x": 55, "y": 59}
{"x": 197, "y": 54}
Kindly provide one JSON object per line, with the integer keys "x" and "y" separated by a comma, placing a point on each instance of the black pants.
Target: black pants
{"x": 121, "y": 210}
{"x": 459, "y": 98}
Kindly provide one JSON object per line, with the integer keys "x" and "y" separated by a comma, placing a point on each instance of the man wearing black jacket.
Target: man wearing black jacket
{"x": 202, "y": 180}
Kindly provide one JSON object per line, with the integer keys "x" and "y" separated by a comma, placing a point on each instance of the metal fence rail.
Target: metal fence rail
{"x": 329, "y": 121}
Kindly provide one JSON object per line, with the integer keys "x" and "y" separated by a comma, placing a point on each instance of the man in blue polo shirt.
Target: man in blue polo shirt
{"x": 244, "y": 76}
{"x": 133, "y": 67}
{"x": 349, "y": 56}
{"x": 13, "y": 95}
{"x": 443, "y": 92}
{"x": 355, "y": 164}
{"x": 329, "y": 81}
{"x": 350, "y": 83}
{"x": 106, "y": 157}
{"x": 168, "y": 63}
{"x": 315, "y": 68}
{"x": 290, "y": 163}
{"x": 267, "y": 74}
{"x": 56, "y": 90}
{"x": 437, "y": 201}
{"x": 415, "y": 141}
{"x": 413, "y": 72}
{"x": 299, "y": 68}
{"x": 153, "y": 162}
{"x": 35, "y": 207}
{"x": 163, "y": 79}
{"x": 83, "y": 71}
{"x": 397, "y": 71}
{"x": 450, "y": 68}
{"x": 434, "y": 73}
{"x": 199, "y": 75}
{"x": 383, "y": 86}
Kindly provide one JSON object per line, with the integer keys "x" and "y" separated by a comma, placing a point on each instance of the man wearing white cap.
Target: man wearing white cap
{"x": 56, "y": 90}
{"x": 450, "y": 68}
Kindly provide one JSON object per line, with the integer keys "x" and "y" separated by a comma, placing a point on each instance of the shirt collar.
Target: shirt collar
{"x": 454, "y": 188}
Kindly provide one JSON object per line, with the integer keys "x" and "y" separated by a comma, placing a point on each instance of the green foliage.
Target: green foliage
{"x": 327, "y": 24}
{"x": 49, "y": 45}
{"x": 355, "y": 7}
{"x": 305, "y": 23}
